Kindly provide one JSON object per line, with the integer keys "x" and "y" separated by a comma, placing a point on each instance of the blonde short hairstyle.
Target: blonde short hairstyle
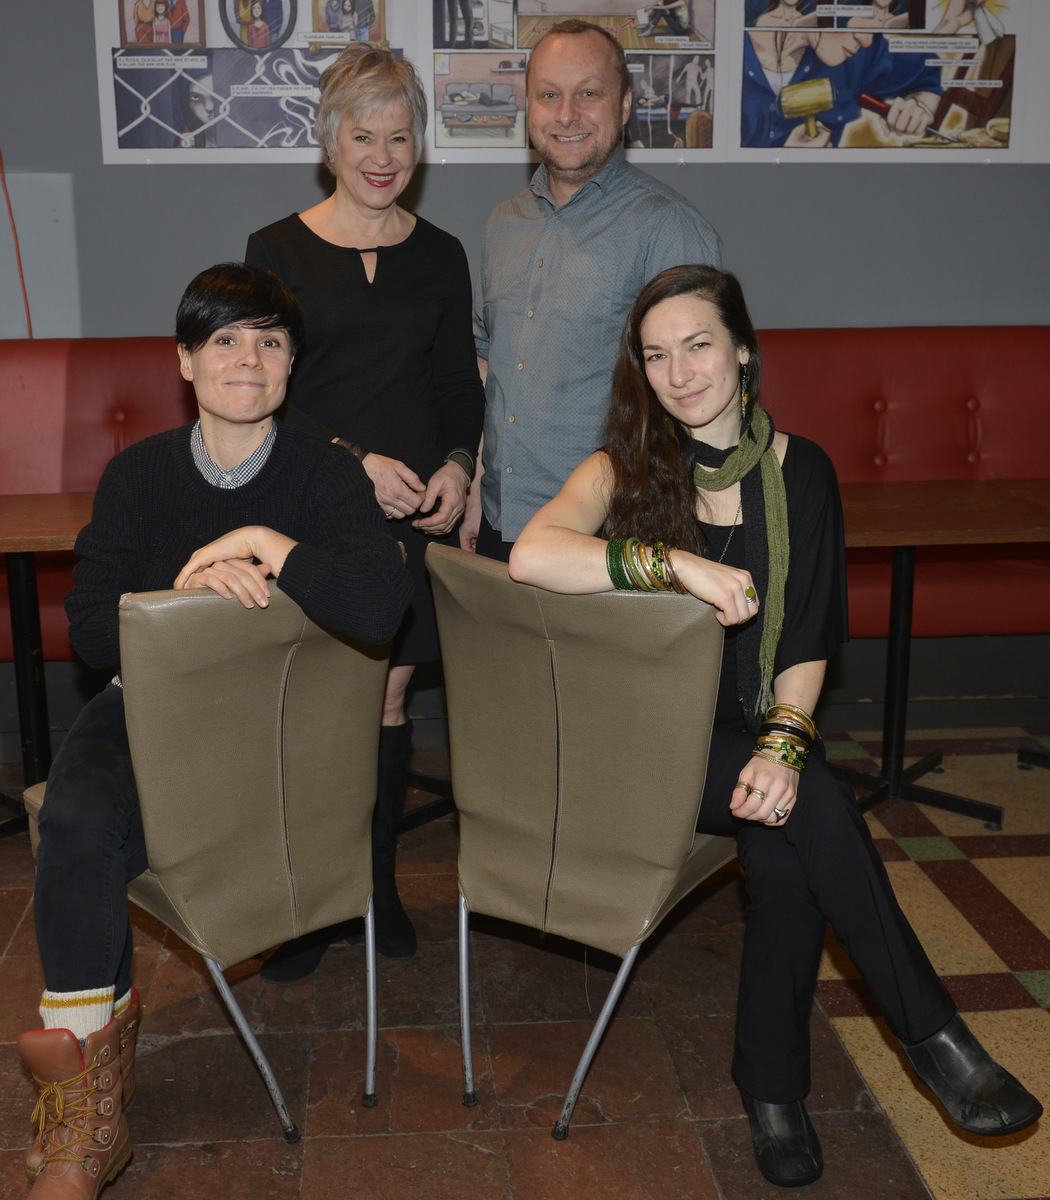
{"x": 364, "y": 79}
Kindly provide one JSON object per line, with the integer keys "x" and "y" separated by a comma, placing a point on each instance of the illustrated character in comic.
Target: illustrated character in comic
{"x": 259, "y": 28}
{"x": 199, "y": 104}
{"x": 676, "y": 15}
{"x": 960, "y": 13}
{"x": 244, "y": 15}
{"x": 179, "y": 16}
{"x": 853, "y": 63}
{"x": 161, "y": 22}
{"x": 144, "y": 13}
{"x": 364, "y": 17}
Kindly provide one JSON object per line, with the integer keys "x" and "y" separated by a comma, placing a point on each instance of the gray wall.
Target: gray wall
{"x": 814, "y": 245}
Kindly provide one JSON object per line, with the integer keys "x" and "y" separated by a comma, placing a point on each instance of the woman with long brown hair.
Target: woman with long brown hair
{"x": 694, "y": 491}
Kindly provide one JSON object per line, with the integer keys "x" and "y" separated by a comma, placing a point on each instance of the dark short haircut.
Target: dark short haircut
{"x": 236, "y": 294}
{"x": 575, "y": 26}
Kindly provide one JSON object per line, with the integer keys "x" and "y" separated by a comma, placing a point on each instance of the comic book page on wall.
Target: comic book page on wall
{"x": 712, "y": 80}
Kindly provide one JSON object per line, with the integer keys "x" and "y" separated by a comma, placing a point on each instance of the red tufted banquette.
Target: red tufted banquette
{"x": 67, "y": 405}
{"x": 927, "y": 403}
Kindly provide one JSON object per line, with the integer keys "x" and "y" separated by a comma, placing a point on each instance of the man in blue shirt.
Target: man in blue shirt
{"x": 562, "y": 263}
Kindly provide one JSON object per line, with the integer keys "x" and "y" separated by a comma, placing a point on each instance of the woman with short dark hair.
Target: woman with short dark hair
{"x": 235, "y": 502}
{"x": 694, "y": 491}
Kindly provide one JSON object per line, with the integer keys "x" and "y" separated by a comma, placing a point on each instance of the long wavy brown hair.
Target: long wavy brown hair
{"x": 653, "y": 495}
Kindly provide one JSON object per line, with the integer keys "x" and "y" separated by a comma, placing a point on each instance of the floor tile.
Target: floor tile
{"x": 207, "y": 1088}
{"x": 432, "y": 1166}
{"x": 1025, "y": 882}
{"x": 954, "y": 945}
{"x": 615, "y": 1162}
{"x": 419, "y": 1084}
{"x": 1019, "y": 943}
{"x": 631, "y": 1079}
{"x": 233, "y": 1170}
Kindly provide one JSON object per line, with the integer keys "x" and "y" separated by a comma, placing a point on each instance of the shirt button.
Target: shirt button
{"x": 540, "y": 263}
{"x": 529, "y": 312}
{"x": 521, "y": 366}
{"x": 511, "y": 418}
{"x": 557, "y": 216}
{"x": 510, "y": 470}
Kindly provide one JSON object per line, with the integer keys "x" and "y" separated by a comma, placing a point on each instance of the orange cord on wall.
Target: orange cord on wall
{"x": 18, "y": 252}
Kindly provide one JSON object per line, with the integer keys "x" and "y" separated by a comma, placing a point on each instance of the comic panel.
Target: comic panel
{"x": 862, "y": 87}
{"x": 665, "y": 24}
{"x": 474, "y": 24}
{"x": 162, "y": 22}
{"x": 258, "y": 25}
{"x": 479, "y": 101}
{"x": 838, "y": 14}
{"x": 217, "y": 99}
{"x": 673, "y": 101}
{"x": 345, "y": 21}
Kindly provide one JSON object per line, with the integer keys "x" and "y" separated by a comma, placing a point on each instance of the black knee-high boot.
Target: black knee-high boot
{"x": 395, "y": 936}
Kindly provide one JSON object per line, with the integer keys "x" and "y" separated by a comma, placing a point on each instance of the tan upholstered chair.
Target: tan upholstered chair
{"x": 254, "y": 736}
{"x": 579, "y": 730}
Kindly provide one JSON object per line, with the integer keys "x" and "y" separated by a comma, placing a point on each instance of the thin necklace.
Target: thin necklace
{"x": 732, "y": 529}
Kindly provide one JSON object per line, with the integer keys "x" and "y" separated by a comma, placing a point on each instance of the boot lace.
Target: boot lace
{"x": 65, "y": 1103}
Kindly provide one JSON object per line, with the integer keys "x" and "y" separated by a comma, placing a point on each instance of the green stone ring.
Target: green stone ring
{"x": 751, "y": 595}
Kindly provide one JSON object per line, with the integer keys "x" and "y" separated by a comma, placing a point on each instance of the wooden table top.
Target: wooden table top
{"x": 944, "y": 512}
{"x": 49, "y": 521}
{"x": 893, "y": 513}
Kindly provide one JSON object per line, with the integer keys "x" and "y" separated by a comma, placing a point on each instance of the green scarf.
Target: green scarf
{"x": 767, "y": 552}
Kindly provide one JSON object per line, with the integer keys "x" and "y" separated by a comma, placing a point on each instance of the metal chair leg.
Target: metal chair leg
{"x": 561, "y": 1129}
{"x": 369, "y": 1099}
{"x": 291, "y": 1133}
{"x": 470, "y": 1095}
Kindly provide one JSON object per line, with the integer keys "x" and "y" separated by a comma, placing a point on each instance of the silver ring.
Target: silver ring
{"x": 780, "y": 815}
{"x": 757, "y": 792}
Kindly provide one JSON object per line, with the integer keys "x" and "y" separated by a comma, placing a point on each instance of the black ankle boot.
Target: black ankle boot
{"x": 395, "y": 936}
{"x": 786, "y": 1146}
{"x": 299, "y": 957}
{"x": 978, "y": 1094}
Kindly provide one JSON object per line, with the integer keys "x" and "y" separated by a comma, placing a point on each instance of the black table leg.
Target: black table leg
{"x": 895, "y": 781}
{"x": 30, "y": 685}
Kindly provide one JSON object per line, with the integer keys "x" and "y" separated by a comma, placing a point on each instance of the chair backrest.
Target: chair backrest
{"x": 579, "y": 729}
{"x": 254, "y": 737}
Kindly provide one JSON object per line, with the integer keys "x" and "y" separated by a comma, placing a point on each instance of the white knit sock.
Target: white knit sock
{"x": 120, "y": 1007}
{"x": 82, "y": 1013}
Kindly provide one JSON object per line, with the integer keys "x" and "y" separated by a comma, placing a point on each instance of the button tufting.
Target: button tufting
{"x": 880, "y": 405}
{"x": 973, "y": 405}
{"x": 119, "y": 416}
{"x": 973, "y": 457}
{"x": 880, "y": 460}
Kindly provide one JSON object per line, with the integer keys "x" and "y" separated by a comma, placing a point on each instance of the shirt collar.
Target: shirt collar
{"x": 241, "y": 474}
{"x": 540, "y": 184}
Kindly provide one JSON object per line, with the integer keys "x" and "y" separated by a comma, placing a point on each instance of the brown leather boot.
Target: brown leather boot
{"x": 79, "y": 1113}
{"x": 128, "y": 1024}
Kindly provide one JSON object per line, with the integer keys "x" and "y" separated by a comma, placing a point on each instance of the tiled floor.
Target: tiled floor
{"x": 659, "y": 1116}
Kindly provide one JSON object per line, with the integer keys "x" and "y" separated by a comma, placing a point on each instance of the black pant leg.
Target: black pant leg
{"x": 91, "y": 844}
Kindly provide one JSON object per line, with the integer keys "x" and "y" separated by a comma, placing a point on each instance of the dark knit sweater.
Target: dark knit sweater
{"x": 153, "y": 509}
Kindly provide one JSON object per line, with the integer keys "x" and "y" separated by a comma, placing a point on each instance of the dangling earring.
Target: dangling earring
{"x": 745, "y": 381}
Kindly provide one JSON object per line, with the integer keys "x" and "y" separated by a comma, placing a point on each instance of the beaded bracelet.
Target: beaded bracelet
{"x": 794, "y": 757}
{"x": 614, "y": 565}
